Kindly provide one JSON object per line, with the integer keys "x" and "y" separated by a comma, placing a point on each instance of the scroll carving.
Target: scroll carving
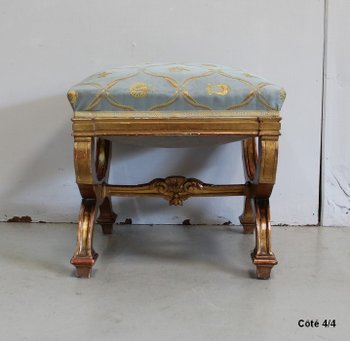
{"x": 176, "y": 189}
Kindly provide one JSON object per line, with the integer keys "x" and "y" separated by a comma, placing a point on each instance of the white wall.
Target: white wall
{"x": 336, "y": 142}
{"x": 46, "y": 46}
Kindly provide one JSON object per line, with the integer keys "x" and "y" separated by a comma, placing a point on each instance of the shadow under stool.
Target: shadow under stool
{"x": 175, "y": 101}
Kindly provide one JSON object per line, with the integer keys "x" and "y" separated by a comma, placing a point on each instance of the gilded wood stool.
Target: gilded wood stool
{"x": 175, "y": 100}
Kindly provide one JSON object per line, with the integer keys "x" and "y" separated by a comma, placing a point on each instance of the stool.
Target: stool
{"x": 174, "y": 101}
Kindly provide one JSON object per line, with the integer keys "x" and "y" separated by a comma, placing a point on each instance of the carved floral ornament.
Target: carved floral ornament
{"x": 176, "y": 189}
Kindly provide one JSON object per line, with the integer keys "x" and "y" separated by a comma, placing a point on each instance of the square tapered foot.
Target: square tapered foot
{"x": 84, "y": 265}
{"x": 248, "y": 228}
{"x": 107, "y": 228}
{"x": 263, "y": 272}
{"x": 83, "y": 271}
{"x": 264, "y": 265}
{"x": 248, "y": 225}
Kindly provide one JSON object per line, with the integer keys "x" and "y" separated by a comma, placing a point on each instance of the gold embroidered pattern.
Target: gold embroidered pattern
{"x": 72, "y": 96}
{"x": 139, "y": 89}
{"x": 242, "y": 90}
{"x": 261, "y": 98}
{"x": 165, "y": 104}
{"x": 218, "y": 89}
{"x": 170, "y": 80}
{"x": 283, "y": 94}
{"x": 178, "y": 69}
{"x": 103, "y": 74}
{"x": 186, "y": 94}
{"x": 103, "y": 92}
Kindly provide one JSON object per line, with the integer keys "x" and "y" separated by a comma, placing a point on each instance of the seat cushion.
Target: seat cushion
{"x": 176, "y": 89}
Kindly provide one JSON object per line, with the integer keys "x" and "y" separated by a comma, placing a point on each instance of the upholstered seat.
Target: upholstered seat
{"x": 176, "y": 90}
{"x": 171, "y": 104}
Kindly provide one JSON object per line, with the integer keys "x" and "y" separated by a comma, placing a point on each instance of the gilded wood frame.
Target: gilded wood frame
{"x": 92, "y": 153}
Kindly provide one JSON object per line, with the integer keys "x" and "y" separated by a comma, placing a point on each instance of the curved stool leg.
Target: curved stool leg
{"x": 107, "y": 217}
{"x": 262, "y": 255}
{"x": 84, "y": 256}
{"x": 247, "y": 218}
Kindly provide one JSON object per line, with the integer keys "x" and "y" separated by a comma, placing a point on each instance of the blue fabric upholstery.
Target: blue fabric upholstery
{"x": 175, "y": 87}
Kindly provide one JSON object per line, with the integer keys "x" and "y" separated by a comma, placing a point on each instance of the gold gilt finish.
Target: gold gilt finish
{"x": 175, "y": 189}
{"x": 250, "y": 158}
{"x": 91, "y": 171}
{"x": 92, "y": 153}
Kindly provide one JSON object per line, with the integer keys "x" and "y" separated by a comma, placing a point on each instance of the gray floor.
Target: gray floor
{"x": 172, "y": 283}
